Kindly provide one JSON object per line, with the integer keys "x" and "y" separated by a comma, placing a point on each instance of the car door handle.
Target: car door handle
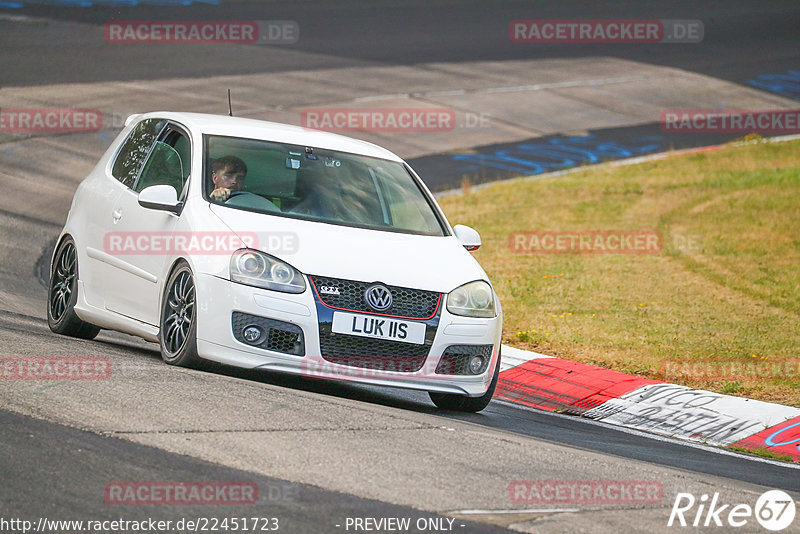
{"x": 117, "y": 214}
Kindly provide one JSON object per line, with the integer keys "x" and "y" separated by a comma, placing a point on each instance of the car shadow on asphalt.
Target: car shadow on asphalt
{"x": 403, "y": 399}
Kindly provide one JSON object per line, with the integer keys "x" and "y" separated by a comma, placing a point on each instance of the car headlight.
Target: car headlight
{"x": 255, "y": 268}
{"x": 474, "y": 299}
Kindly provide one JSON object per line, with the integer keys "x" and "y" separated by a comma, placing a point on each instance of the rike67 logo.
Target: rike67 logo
{"x": 774, "y": 510}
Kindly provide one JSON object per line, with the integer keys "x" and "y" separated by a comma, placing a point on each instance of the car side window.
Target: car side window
{"x": 135, "y": 149}
{"x": 168, "y": 163}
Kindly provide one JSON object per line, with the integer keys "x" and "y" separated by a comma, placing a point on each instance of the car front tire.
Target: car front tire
{"x": 178, "y": 333}
{"x": 462, "y": 403}
{"x": 62, "y": 295}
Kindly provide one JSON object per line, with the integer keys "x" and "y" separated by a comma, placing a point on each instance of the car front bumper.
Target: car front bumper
{"x": 218, "y": 299}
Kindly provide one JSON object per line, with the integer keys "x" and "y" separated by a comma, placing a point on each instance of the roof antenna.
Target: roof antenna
{"x": 230, "y": 109}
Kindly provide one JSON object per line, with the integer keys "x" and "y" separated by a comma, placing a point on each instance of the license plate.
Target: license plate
{"x": 378, "y": 327}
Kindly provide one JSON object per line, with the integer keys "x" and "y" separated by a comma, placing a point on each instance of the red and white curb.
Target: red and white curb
{"x": 553, "y": 384}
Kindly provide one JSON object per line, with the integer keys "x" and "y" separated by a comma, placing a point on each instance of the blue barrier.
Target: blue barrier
{"x": 111, "y": 3}
{"x": 558, "y": 153}
{"x": 787, "y": 84}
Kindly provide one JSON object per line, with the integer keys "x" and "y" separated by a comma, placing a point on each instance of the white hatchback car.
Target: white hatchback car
{"x": 270, "y": 246}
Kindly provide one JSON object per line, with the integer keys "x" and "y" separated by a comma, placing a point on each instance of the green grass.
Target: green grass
{"x": 726, "y": 287}
{"x": 764, "y": 453}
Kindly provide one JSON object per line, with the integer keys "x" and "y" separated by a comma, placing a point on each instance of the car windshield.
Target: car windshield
{"x": 317, "y": 184}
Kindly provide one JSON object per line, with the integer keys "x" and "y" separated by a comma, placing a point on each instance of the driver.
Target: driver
{"x": 228, "y": 174}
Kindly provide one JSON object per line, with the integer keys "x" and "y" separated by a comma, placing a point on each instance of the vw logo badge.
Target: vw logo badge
{"x": 378, "y": 297}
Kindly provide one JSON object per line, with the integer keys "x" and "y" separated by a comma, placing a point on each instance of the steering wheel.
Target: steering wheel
{"x": 247, "y": 199}
{"x": 239, "y": 193}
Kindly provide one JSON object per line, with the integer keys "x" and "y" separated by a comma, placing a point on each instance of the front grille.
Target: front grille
{"x": 410, "y": 303}
{"x": 279, "y": 336}
{"x": 375, "y": 354}
{"x": 455, "y": 360}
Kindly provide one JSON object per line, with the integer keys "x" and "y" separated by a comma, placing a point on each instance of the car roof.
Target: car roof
{"x": 270, "y": 131}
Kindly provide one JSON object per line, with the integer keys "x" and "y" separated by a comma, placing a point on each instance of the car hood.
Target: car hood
{"x": 423, "y": 262}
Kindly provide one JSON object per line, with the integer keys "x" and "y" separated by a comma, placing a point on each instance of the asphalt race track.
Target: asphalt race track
{"x": 325, "y": 453}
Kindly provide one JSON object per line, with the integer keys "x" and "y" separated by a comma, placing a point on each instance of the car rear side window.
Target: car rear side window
{"x": 135, "y": 149}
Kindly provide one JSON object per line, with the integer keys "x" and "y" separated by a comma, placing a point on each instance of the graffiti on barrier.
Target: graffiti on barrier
{"x": 99, "y": 3}
{"x": 783, "y": 438}
{"x": 557, "y": 153}
{"x": 786, "y": 84}
{"x": 773, "y": 440}
{"x": 696, "y": 414}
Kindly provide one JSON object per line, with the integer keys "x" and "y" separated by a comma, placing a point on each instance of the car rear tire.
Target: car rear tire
{"x": 178, "y": 333}
{"x": 62, "y": 294}
{"x": 462, "y": 403}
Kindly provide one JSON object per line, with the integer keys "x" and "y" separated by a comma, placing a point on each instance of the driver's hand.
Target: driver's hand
{"x": 221, "y": 194}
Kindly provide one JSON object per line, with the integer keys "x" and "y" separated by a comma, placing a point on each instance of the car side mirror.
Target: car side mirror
{"x": 160, "y": 197}
{"x": 468, "y": 237}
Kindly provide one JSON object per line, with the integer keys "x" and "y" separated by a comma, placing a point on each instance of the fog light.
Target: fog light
{"x": 252, "y": 334}
{"x": 475, "y": 365}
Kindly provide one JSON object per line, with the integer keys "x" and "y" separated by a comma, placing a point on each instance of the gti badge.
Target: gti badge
{"x": 329, "y": 290}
